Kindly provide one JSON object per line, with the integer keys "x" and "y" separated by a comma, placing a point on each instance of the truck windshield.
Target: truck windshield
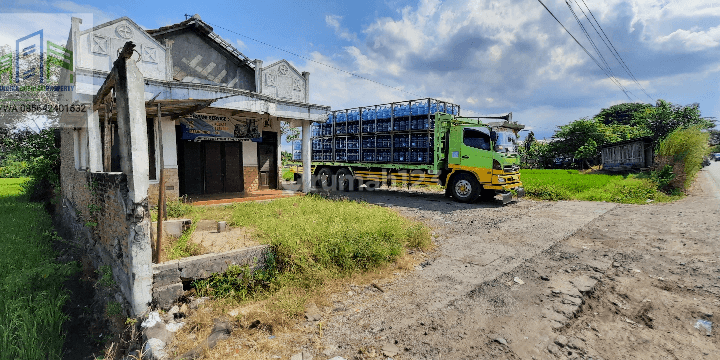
{"x": 505, "y": 141}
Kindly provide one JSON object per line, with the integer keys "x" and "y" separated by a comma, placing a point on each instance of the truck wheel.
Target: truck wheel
{"x": 465, "y": 188}
{"x": 325, "y": 178}
{"x": 345, "y": 180}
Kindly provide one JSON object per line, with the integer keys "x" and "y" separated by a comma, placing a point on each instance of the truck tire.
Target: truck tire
{"x": 325, "y": 178}
{"x": 465, "y": 188}
{"x": 345, "y": 180}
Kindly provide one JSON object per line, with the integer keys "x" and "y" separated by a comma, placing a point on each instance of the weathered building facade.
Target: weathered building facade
{"x": 178, "y": 103}
{"x": 628, "y": 154}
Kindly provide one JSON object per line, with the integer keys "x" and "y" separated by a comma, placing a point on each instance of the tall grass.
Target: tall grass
{"x": 315, "y": 239}
{"x": 31, "y": 293}
{"x": 683, "y": 149}
{"x": 573, "y": 185}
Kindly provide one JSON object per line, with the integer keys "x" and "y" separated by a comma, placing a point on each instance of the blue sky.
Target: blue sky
{"x": 490, "y": 57}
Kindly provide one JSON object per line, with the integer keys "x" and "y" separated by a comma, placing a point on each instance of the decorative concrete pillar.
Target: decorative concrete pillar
{"x": 306, "y": 151}
{"x": 132, "y": 129}
{"x": 306, "y": 76}
{"x": 94, "y": 141}
{"x": 258, "y": 76}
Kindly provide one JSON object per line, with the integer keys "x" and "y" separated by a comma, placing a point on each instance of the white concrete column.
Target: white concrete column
{"x": 306, "y": 151}
{"x": 306, "y": 76}
{"x": 132, "y": 129}
{"x": 258, "y": 76}
{"x": 94, "y": 141}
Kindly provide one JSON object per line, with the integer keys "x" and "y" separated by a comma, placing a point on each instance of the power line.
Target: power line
{"x": 602, "y": 58}
{"x": 581, "y": 45}
{"x": 614, "y": 51}
{"x": 317, "y": 62}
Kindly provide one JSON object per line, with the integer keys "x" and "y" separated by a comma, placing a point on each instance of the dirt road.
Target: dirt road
{"x": 543, "y": 280}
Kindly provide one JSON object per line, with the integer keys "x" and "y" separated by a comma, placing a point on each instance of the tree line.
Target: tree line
{"x": 578, "y": 143}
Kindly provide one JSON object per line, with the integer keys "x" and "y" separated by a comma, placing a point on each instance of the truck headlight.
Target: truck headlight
{"x": 501, "y": 180}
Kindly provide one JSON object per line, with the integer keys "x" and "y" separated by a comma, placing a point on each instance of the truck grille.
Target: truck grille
{"x": 511, "y": 168}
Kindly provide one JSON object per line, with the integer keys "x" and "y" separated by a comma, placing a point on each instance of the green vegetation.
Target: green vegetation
{"x": 113, "y": 308}
{"x": 682, "y": 151}
{"x": 288, "y": 175}
{"x": 582, "y": 139}
{"x": 572, "y": 185}
{"x": 313, "y": 239}
{"x": 183, "y": 247}
{"x": 31, "y": 293}
{"x": 105, "y": 277}
{"x": 26, "y": 153}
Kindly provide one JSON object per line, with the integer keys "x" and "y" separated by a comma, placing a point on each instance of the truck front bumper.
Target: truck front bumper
{"x": 506, "y": 197}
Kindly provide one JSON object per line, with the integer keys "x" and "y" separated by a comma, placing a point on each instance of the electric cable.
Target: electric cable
{"x": 315, "y": 61}
{"x": 581, "y": 45}
{"x": 612, "y": 48}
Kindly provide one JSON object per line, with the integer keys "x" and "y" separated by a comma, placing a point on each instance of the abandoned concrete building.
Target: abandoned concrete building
{"x": 178, "y": 104}
{"x": 628, "y": 154}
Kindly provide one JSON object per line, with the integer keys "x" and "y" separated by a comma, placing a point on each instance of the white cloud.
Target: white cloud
{"x": 240, "y": 44}
{"x": 334, "y": 22}
{"x": 692, "y": 40}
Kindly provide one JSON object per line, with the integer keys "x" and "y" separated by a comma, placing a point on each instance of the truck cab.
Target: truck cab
{"x": 481, "y": 159}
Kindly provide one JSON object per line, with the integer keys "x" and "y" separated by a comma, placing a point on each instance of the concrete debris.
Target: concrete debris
{"x": 155, "y": 349}
{"x": 584, "y": 283}
{"x": 159, "y": 331}
{"x": 195, "y": 303}
{"x": 174, "y": 326}
{"x": 390, "y": 350}
{"x": 302, "y": 356}
{"x": 312, "y": 313}
{"x": 153, "y": 318}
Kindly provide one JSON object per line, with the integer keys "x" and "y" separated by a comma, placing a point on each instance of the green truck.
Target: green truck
{"x": 418, "y": 142}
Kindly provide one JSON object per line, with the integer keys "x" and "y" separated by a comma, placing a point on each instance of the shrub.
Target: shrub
{"x": 683, "y": 151}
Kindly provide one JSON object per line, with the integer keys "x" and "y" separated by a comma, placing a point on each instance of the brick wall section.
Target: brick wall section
{"x": 171, "y": 181}
{"x": 169, "y": 276}
{"x": 94, "y": 213}
{"x": 250, "y": 178}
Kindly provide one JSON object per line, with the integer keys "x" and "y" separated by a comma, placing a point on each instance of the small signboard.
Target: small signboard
{"x": 212, "y": 127}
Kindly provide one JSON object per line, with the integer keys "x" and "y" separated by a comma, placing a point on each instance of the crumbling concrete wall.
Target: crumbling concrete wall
{"x": 107, "y": 212}
{"x": 94, "y": 212}
{"x": 168, "y": 277}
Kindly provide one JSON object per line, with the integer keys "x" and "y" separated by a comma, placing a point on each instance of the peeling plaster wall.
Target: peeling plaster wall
{"x": 94, "y": 212}
{"x": 197, "y": 59}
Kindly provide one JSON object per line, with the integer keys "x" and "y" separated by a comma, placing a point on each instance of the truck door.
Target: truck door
{"x": 475, "y": 147}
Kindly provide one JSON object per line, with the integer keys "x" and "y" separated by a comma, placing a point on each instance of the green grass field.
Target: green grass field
{"x": 31, "y": 283}
{"x": 315, "y": 239}
{"x": 572, "y": 185}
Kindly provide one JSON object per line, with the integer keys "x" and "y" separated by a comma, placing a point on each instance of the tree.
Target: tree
{"x": 623, "y": 114}
{"x": 665, "y": 117}
{"x": 291, "y": 133}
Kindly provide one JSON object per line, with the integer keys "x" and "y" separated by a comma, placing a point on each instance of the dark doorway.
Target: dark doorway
{"x": 209, "y": 167}
{"x": 267, "y": 161}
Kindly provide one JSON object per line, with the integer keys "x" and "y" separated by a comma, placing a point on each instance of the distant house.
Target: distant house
{"x": 628, "y": 154}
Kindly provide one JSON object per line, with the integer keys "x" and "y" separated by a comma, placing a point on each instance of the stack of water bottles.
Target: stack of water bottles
{"x": 398, "y": 132}
{"x": 297, "y": 150}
